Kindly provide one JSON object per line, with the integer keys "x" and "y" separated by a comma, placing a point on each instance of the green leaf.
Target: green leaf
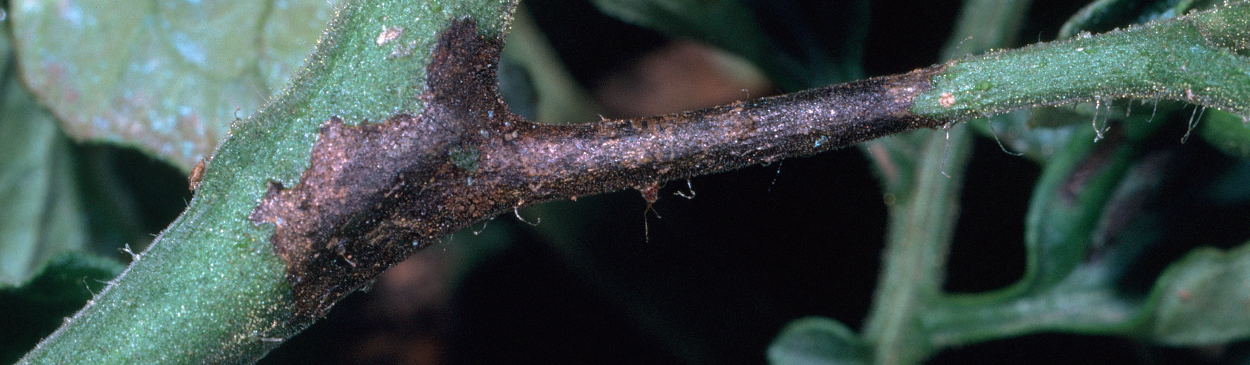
{"x": 1089, "y": 224}
{"x": 1106, "y": 15}
{"x": 1202, "y": 299}
{"x": 1014, "y": 133}
{"x": 169, "y": 76}
{"x": 534, "y": 82}
{"x": 1226, "y": 131}
{"x": 40, "y": 209}
{"x": 818, "y": 341}
{"x": 1100, "y": 16}
{"x": 1084, "y": 302}
{"x": 1069, "y": 198}
{"x": 37, "y": 307}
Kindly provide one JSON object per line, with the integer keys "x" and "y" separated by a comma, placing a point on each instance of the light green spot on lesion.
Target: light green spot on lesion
{"x": 464, "y": 157}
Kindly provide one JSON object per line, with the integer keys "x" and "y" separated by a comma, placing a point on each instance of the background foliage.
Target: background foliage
{"x": 1107, "y": 271}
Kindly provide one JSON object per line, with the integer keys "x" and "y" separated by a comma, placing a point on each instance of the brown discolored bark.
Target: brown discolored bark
{"x": 376, "y": 193}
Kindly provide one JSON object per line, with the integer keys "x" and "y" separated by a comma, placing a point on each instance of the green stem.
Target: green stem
{"x": 914, "y": 262}
{"x": 1191, "y": 58}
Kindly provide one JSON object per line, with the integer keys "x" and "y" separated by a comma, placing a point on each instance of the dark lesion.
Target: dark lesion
{"x": 375, "y": 193}
{"x": 351, "y": 216}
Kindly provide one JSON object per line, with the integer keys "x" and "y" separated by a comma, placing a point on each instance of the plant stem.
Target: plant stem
{"x": 312, "y": 198}
{"x": 376, "y": 193}
{"x": 219, "y": 286}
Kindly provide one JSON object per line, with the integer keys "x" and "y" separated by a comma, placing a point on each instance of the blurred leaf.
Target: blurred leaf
{"x": 168, "y": 77}
{"x": 1101, "y": 218}
{"x": 40, "y": 209}
{"x": 986, "y": 25}
{"x": 1226, "y": 131}
{"x": 535, "y": 83}
{"x": 790, "y": 51}
{"x": 1106, "y": 15}
{"x": 1084, "y": 302}
{"x": 291, "y": 27}
{"x": 1202, "y": 298}
{"x": 817, "y": 341}
{"x": 1069, "y": 198}
{"x": 1013, "y": 131}
{"x": 1164, "y": 189}
{"x": 36, "y": 308}
{"x": 1038, "y": 133}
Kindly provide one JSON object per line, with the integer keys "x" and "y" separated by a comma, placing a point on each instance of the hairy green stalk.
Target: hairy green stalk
{"x": 1191, "y": 58}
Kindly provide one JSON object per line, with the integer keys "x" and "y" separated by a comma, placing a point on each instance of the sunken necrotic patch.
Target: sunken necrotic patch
{"x": 363, "y": 204}
{"x": 374, "y": 194}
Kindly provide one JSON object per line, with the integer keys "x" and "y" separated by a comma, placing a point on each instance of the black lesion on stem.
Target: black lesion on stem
{"x": 376, "y": 193}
